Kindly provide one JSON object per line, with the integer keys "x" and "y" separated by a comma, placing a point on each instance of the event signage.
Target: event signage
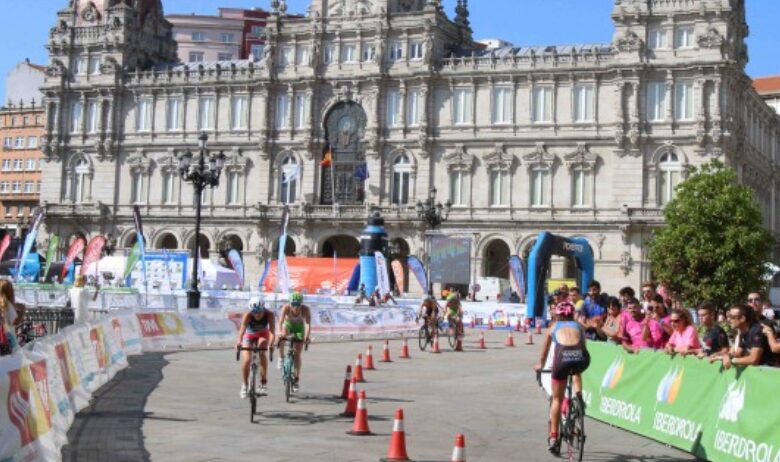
{"x": 29, "y": 241}
{"x": 4, "y": 244}
{"x": 164, "y": 270}
{"x": 450, "y": 260}
{"x": 93, "y": 252}
{"x": 416, "y": 266}
{"x": 237, "y": 264}
{"x": 398, "y": 273}
{"x": 54, "y": 241}
{"x": 382, "y": 278}
{"x": 75, "y": 248}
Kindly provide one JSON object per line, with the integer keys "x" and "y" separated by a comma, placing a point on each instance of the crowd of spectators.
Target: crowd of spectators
{"x": 744, "y": 334}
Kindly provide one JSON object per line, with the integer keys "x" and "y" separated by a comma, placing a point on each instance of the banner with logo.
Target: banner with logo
{"x": 398, "y": 272}
{"x": 416, "y": 266}
{"x": 238, "y": 266}
{"x": 4, "y": 244}
{"x": 54, "y": 241}
{"x": 76, "y": 247}
{"x": 517, "y": 275}
{"x": 382, "y": 278}
{"x": 35, "y": 223}
{"x": 93, "y": 252}
{"x": 716, "y": 414}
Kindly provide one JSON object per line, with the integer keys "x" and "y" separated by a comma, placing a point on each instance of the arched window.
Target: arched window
{"x": 291, "y": 171}
{"x": 669, "y": 172}
{"x": 80, "y": 174}
{"x": 402, "y": 173}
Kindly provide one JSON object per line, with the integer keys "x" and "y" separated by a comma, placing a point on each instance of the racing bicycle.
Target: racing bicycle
{"x": 425, "y": 337}
{"x": 571, "y": 429}
{"x": 288, "y": 365}
{"x": 252, "y": 390}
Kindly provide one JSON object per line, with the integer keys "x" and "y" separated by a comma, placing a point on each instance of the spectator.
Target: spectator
{"x": 769, "y": 313}
{"x": 594, "y": 306}
{"x": 684, "y": 339}
{"x": 8, "y": 319}
{"x": 576, "y": 298}
{"x": 15, "y": 311}
{"x": 714, "y": 340}
{"x": 751, "y": 345}
{"x": 640, "y": 331}
{"x": 773, "y": 340}
{"x": 660, "y": 313}
{"x": 756, "y": 301}
{"x": 626, "y": 293}
{"x": 648, "y": 292}
{"x": 387, "y": 298}
{"x": 564, "y": 293}
{"x": 611, "y": 328}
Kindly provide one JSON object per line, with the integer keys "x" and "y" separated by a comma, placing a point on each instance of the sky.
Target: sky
{"x": 23, "y": 32}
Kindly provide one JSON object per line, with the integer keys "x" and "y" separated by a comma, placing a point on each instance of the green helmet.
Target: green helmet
{"x": 296, "y": 298}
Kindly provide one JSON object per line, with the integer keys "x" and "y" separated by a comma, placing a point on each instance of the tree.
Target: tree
{"x": 714, "y": 246}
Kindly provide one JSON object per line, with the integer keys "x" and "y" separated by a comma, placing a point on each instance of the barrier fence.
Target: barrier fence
{"x": 720, "y": 415}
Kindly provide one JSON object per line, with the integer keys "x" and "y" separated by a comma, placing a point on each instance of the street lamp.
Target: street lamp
{"x": 201, "y": 175}
{"x": 432, "y": 214}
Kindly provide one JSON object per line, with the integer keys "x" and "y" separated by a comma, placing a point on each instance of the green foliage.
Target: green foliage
{"x": 714, "y": 246}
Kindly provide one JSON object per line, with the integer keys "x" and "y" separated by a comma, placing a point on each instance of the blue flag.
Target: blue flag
{"x": 518, "y": 277}
{"x": 418, "y": 269}
{"x": 361, "y": 173}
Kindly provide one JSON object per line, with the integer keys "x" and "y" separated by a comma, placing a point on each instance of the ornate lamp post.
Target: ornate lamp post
{"x": 432, "y": 214}
{"x": 202, "y": 175}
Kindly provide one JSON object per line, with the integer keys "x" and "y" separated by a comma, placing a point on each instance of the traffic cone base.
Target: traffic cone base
{"x": 397, "y": 450}
{"x": 459, "y": 345}
{"x": 386, "y": 353}
{"x": 405, "y": 351}
{"x": 351, "y": 408}
{"x": 360, "y": 427}
{"x": 358, "y": 371}
{"x": 482, "y": 341}
{"x": 530, "y": 340}
{"x": 510, "y": 341}
{"x": 369, "y": 359}
{"x": 436, "y": 345}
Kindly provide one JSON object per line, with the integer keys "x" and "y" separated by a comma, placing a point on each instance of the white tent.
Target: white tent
{"x": 213, "y": 275}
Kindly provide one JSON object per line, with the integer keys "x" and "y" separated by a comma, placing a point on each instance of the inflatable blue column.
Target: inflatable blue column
{"x": 373, "y": 239}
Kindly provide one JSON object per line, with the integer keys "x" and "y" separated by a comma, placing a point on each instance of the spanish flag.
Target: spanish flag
{"x": 327, "y": 159}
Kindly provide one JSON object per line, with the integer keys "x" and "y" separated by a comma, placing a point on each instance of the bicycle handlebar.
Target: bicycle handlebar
{"x": 240, "y": 348}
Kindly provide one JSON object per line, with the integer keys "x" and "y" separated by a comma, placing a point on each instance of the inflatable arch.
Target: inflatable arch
{"x": 539, "y": 262}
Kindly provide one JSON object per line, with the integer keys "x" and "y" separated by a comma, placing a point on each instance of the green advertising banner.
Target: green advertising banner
{"x": 686, "y": 402}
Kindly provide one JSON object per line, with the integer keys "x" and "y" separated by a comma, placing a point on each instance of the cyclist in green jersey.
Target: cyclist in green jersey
{"x": 295, "y": 321}
{"x": 454, "y": 313}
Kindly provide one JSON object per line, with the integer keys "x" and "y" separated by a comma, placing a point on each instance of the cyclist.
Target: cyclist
{"x": 257, "y": 328}
{"x": 429, "y": 312}
{"x": 570, "y": 357}
{"x": 454, "y": 314}
{"x": 295, "y": 320}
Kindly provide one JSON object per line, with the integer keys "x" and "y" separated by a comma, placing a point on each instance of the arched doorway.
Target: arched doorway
{"x": 289, "y": 248}
{"x": 495, "y": 260}
{"x": 345, "y": 127}
{"x": 131, "y": 239}
{"x": 167, "y": 241}
{"x": 205, "y": 245}
{"x": 342, "y": 246}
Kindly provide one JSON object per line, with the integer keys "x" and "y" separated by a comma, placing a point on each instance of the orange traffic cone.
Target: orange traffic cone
{"x": 347, "y": 377}
{"x": 360, "y": 427}
{"x": 525, "y": 329}
{"x": 397, "y": 450}
{"x": 357, "y": 373}
{"x": 386, "y": 353}
{"x": 405, "y": 351}
{"x": 517, "y": 325}
{"x": 349, "y": 410}
{"x": 459, "y": 345}
{"x": 530, "y": 340}
{"x": 482, "y": 341}
{"x": 459, "y": 451}
{"x": 436, "y": 345}
{"x": 369, "y": 359}
{"x": 490, "y": 323}
{"x": 538, "y": 326}
{"x": 510, "y": 341}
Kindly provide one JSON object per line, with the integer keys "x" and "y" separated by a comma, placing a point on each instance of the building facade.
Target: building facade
{"x": 21, "y": 129}
{"x": 578, "y": 140}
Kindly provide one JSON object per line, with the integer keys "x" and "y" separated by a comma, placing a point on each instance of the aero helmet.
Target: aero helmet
{"x": 296, "y": 299}
{"x": 256, "y": 304}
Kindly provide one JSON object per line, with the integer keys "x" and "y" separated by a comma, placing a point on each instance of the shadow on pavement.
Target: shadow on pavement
{"x": 613, "y": 457}
{"x": 110, "y": 427}
{"x": 306, "y": 418}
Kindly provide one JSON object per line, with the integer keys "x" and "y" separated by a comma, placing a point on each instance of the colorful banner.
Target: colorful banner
{"x": 382, "y": 278}
{"x": 4, "y": 245}
{"x": 416, "y": 267}
{"x": 139, "y": 238}
{"x": 93, "y": 253}
{"x": 398, "y": 272}
{"x": 29, "y": 241}
{"x": 132, "y": 259}
{"x": 314, "y": 275}
{"x": 719, "y": 415}
{"x": 54, "y": 241}
{"x": 282, "y": 274}
{"x": 76, "y": 247}
{"x": 234, "y": 258}
{"x": 517, "y": 276}
{"x": 265, "y": 273}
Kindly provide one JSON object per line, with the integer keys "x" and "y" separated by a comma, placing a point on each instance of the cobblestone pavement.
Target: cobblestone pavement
{"x": 185, "y": 406}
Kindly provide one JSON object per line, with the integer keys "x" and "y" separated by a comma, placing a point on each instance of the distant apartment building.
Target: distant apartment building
{"x": 21, "y": 127}
{"x": 769, "y": 89}
{"x": 235, "y": 33}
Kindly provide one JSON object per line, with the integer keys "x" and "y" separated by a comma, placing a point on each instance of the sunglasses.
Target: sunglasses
{"x": 734, "y": 316}
{"x": 751, "y": 300}
{"x": 674, "y": 321}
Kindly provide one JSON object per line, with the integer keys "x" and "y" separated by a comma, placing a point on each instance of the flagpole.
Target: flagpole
{"x": 333, "y": 179}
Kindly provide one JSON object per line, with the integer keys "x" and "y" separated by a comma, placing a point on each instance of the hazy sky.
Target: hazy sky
{"x": 24, "y": 25}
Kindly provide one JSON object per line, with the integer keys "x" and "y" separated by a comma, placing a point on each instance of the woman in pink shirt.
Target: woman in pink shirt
{"x": 640, "y": 331}
{"x": 684, "y": 339}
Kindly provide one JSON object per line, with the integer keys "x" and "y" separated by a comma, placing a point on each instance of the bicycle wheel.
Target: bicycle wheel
{"x": 252, "y": 395}
{"x": 445, "y": 332}
{"x": 577, "y": 415}
{"x": 452, "y": 338}
{"x": 422, "y": 337}
{"x": 288, "y": 377}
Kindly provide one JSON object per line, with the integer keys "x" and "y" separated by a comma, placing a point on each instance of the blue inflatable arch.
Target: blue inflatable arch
{"x": 546, "y": 246}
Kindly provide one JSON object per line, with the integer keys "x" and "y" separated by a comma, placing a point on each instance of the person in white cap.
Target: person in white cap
{"x": 257, "y": 329}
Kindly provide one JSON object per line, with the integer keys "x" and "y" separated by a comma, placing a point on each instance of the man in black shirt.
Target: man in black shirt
{"x": 714, "y": 340}
{"x": 752, "y": 345}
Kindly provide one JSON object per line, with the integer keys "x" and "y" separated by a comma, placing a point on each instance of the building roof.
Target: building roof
{"x": 767, "y": 85}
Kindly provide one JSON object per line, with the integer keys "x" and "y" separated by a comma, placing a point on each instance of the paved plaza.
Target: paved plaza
{"x": 185, "y": 406}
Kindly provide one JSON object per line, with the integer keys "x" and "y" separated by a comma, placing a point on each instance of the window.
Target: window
{"x": 79, "y": 190}
{"x": 206, "y": 111}
{"x": 683, "y": 37}
{"x": 196, "y": 57}
{"x": 19, "y": 211}
{"x": 257, "y": 52}
{"x": 412, "y": 108}
{"x": 369, "y": 53}
{"x": 499, "y": 187}
{"x": 300, "y": 110}
{"x": 6, "y": 165}
{"x": 25, "y": 121}
{"x": 13, "y": 121}
{"x": 302, "y": 56}
{"x": 347, "y": 53}
{"x": 19, "y": 142}
{"x": 238, "y": 112}
{"x": 136, "y": 187}
{"x": 198, "y": 36}
{"x": 656, "y": 101}
{"x": 16, "y": 187}
{"x": 224, "y": 56}
{"x": 80, "y": 66}
{"x": 30, "y": 165}
{"x": 669, "y": 172}
{"x": 8, "y": 210}
{"x": 289, "y": 189}
{"x": 92, "y": 116}
{"x": 396, "y": 51}
{"x": 257, "y": 30}
{"x": 5, "y": 186}
{"x": 144, "y": 115}
{"x": 167, "y": 190}
{"x": 456, "y": 187}
{"x": 462, "y": 106}
{"x": 502, "y": 105}
{"x": 173, "y": 114}
{"x": 542, "y": 104}
{"x": 540, "y": 186}
{"x": 29, "y": 187}
{"x": 286, "y": 56}
{"x": 402, "y": 170}
{"x": 94, "y": 65}
{"x": 75, "y": 117}
{"x": 282, "y": 111}
{"x": 581, "y": 187}
{"x": 37, "y": 120}
{"x": 232, "y": 188}
{"x": 327, "y": 55}
{"x": 228, "y": 38}
{"x": 683, "y": 101}
{"x": 656, "y": 39}
{"x": 415, "y": 50}
{"x": 583, "y": 103}
{"x": 18, "y": 165}
{"x": 393, "y": 103}
{"x": 8, "y": 142}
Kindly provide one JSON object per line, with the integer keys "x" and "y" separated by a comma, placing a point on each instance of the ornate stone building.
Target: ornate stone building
{"x": 581, "y": 140}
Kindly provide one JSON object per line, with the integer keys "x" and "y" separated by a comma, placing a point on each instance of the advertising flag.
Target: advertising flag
{"x": 398, "y": 272}
{"x": 54, "y": 241}
{"x": 361, "y": 172}
{"x": 518, "y": 277}
{"x": 4, "y": 245}
{"x": 93, "y": 252}
{"x": 283, "y": 275}
{"x": 327, "y": 159}
{"x": 139, "y": 237}
{"x": 132, "y": 259}
{"x": 382, "y": 278}
{"x": 265, "y": 273}
{"x": 416, "y": 266}
{"x": 76, "y": 247}
{"x": 238, "y": 266}
{"x": 30, "y": 240}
